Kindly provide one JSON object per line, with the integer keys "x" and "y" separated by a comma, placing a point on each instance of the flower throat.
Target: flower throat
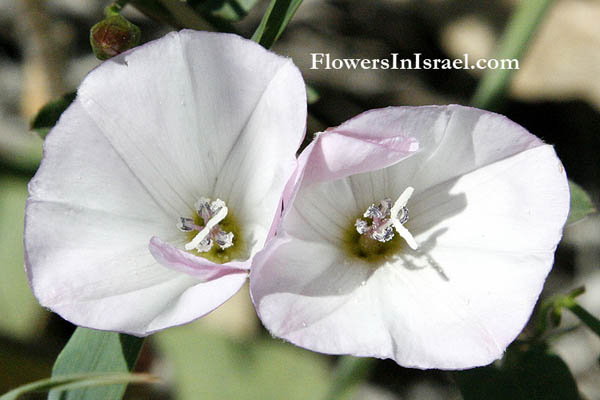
{"x": 213, "y": 233}
{"x": 373, "y": 236}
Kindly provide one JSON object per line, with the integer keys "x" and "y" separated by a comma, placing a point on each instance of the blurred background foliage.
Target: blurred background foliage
{"x": 45, "y": 53}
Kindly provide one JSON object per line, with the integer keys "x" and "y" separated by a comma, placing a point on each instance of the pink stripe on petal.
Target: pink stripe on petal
{"x": 178, "y": 260}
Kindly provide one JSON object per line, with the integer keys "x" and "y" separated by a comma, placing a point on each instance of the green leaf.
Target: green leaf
{"x": 21, "y": 314}
{"x": 483, "y": 383}
{"x": 581, "y": 203}
{"x": 513, "y": 43}
{"x": 210, "y": 366}
{"x": 275, "y": 20}
{"x": 48, "y": 116}
{"x": 96, "y": 351}
{"x": 527, "y": 373}
{"x": 77, "y": 381}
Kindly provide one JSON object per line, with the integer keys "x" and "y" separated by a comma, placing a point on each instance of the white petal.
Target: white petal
{"x": 170, "y": 303}
{"x": 81, "y": 170}
{"x": 399, "y": 313}
{"x": 255, "y": 172}
{"x": 292, "y": 288}
{"x": 105, "y": 277}
{"x": 176, "y": 107}
{"x": 518, "y": 204}
{"x": 323, "y": 212}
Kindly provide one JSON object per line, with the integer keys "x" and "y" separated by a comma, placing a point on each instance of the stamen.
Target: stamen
{"x": 387, "y": 217}
{"x": 185, "y": 224}
{"x": 224, "y": 239}
{"x": 212, "y": 214}
{"x": 220, "y": 216}
{"x": 205, "y": 245}
{"x": 361, "y": 226}
{"x": 383, "y": 234}
{"x": 203, "y": 208}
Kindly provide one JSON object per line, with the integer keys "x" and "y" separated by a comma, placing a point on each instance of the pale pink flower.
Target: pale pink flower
{"x": 162, "y": 181}
{"x": 433, "y": 257}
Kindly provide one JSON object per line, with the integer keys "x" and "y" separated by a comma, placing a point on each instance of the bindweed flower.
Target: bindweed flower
{"x": 430, "y": 253}
{"x": 162, "y": 181}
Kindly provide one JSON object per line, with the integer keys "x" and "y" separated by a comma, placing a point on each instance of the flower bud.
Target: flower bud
{"x": 112, "y": 36}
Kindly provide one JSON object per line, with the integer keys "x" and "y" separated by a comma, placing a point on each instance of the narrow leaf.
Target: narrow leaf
{"x": 513, "y": 43}
{"x": 48, "y": 116}
{"x": 96, "y": 351}
{"x": 76, "y": 381}
{"x": 275, "y": 20}
{"x": 584, "y": 316}
{"x": 581, "y": 203}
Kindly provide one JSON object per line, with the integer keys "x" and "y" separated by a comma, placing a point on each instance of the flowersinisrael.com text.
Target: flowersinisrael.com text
{"x": 324, "y": 61}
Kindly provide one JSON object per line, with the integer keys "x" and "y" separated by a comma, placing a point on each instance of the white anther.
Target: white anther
{"x": 185, "y": 224}
{"x": 224, "y": 239}
{"x": 205, "y": 245}
{"x": 203, "y": 208}
{"x": 387, "y": 217}
{"x": 361, "y": 226}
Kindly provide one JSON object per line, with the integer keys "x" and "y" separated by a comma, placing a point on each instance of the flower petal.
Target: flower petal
{"x": 176, "y": 107}
{"x": 146, "y": 137}
{"x": 178, "y": 260}
{"x": 487, "y": 220}
{"x": 260, "y": 164}
{"x": 361, "y": 154}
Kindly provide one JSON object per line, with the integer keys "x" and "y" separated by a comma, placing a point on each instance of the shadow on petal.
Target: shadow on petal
{"x": 422, "y": 258}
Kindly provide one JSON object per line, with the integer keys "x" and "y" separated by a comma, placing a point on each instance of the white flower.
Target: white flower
{"x": 445, "y": 277}
{"x": 191, "y": 131}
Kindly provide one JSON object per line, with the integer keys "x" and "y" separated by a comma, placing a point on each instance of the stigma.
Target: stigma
{"x": 212, "y": 214}
{"x": 387, "y": 220}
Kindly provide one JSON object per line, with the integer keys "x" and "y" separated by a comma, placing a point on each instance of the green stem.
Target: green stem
{"x": 91, "y": 351}
{"x": 115, "y": 8}
{"x": 553, "y": 307}
{"x": 541, "y": 324}
{"x": 77, "y": 381}
{"x": 517, "y": 35}
{"x": 349, "y": 372}
{"x": 584, "y": 316}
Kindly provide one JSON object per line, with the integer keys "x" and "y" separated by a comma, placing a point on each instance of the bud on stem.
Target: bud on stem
{"x": 113, "y": 35}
